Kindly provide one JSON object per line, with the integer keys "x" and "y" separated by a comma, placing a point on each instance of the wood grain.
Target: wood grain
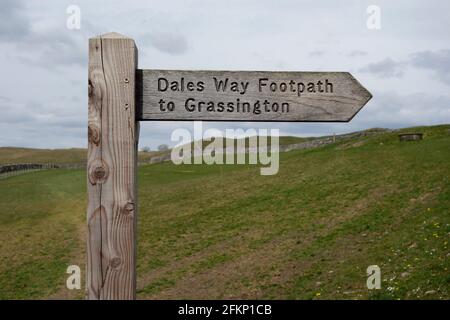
{"x": 111, "y": 167}
{"x": 348, "y": 96}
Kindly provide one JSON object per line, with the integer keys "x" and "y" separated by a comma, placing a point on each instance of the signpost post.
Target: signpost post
{"x": 120, "y": 96}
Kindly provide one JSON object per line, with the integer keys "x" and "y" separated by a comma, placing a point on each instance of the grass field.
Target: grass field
{"x": 9, "y": 155}
{"x": 308, "y": 232}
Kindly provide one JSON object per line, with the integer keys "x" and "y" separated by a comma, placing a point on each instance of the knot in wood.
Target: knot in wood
{"x": 98, "y": 172}
{"x": 90, "y": 88}
{"x": 115, "y": 262}
{"x": 93, "y": 134}
{"x": 128, "y": 208}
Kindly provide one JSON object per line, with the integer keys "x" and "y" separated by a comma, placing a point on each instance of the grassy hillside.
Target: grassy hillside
{"x": 282, "y": 140}
{"x": 308, "y": 232}
{"x": 10, "y": 155}
{"x": 27, "y": 155}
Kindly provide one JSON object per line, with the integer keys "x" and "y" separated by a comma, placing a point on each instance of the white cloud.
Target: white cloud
{"x": 43, "y": 97}
{"x": 437, "y": 61}
{"x": 166, "y": 42}
{"x": 386, "y": 68}
{"x": 14, "y": 24}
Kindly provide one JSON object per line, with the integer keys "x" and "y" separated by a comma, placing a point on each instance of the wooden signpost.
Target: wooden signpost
{"x": 120, "y": 96}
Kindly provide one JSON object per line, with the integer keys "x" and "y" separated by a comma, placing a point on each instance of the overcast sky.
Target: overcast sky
{"x": 43, "y": 88}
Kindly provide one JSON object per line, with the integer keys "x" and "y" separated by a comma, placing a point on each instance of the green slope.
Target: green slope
{"x": 9, "y": 155}
{"x": 29, "y": 155}
{"x": 308, "y": 232}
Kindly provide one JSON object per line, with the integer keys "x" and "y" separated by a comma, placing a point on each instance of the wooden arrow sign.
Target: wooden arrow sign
{"x": 248, "y": 96}
{"x": 120, "y": 95}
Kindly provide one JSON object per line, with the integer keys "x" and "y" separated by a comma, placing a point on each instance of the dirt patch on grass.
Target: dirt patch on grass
{"x": 216, "y": 282}
{"x": 251, "y": 271}
{"x": 350, "y": 145}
